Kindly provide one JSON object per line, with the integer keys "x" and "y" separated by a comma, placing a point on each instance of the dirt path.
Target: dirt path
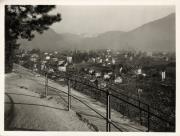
{"x": 26, "y": 110}
{"x": 84, "y": 108}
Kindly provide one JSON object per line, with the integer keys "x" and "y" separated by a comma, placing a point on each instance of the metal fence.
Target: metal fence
{"x": 128, "y": 106}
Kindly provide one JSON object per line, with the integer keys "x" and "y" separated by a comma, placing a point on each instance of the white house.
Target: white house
{"x": 110, "y": 73}
{"x": 97, "y": 74}
{"x": 55, "y": 52}
{"x": 47, "y": 57}
{"x": 108, "y": 63}
{"x": 163, "y": 75}
{"x": 139, "y": 71}
{"x": 69, "y": 59}
{"x": 62, "y": 68}
{"x": 100, "y": 61}
{"x": 113, "y": 61}
{"x": 60, "y": 62}
{"x": 107, "y": 59}
{"x": 118, "y": 80}
{"x": 91, "y": 71}
{"x": 106, "y": 76}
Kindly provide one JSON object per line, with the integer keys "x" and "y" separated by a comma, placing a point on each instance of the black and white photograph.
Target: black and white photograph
{"x": 90, "y": 68}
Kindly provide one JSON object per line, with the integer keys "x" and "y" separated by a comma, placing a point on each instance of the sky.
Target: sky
{"x": 98, "y": 19}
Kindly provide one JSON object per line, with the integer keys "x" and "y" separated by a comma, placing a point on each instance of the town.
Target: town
{"x": 146, "y": 76}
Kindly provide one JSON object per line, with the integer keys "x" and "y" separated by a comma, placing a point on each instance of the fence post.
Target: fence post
{"x": 69, "y": 94}
{"x": 127, "y": 98}
{"x": 108, "y": 112}
{"x": 148, "y": 119}
{"x": 139, "y": 103}
{"x": 46, "y": 84}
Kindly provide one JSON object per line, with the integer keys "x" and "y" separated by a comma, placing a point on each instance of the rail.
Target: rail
{"x": 109, "y": 96}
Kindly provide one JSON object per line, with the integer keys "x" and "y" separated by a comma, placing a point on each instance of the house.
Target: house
{"x": 118, "y": 80}
{"x": 51, "y": 70}
{"x": 60, "y": 62}
{"x": 62, "y": 68}
{"x": 102, "y": 84}
{"x": 100, "y": 61}
{"x": 44, "y": 62}
{"x": 97, "y": 74}
{"x": 139, "y": 71}
{"x": 107, "y": 59}
{"x": 45, "y": 53}
{"x": 55, "y": 52}
{"x": 34, "y": 57}
{"x": 47, "y": 57}
{"x": 69, "y": 59}
{"x": 92, "y": 80}
{"x": 110, "y": 73}
{"x": 113, "y": 61}
{"x": 108, "y": 63}
{"x": 106, "y": 76}
{"x": 139, "y": 91}
{"x": 163, "y": 75}
{"x": 91, "y": 71}
{"x": 104, "y": 64}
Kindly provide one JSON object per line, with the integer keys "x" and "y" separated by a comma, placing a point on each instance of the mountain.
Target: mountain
{"x": 158, "y": 35}
{"x": 50, "y": 41}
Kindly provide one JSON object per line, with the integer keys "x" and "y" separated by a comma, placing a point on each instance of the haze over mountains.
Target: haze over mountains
{"x": 158, "y": 35}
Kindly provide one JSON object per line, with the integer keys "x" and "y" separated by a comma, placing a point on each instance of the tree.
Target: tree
{"x": 21, "y": 21}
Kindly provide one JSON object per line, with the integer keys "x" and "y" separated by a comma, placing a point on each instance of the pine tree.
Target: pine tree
{"x": 21, "y": 21}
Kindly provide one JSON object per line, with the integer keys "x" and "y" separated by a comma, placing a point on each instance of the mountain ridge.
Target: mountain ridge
{"x": 158, "y": 35}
